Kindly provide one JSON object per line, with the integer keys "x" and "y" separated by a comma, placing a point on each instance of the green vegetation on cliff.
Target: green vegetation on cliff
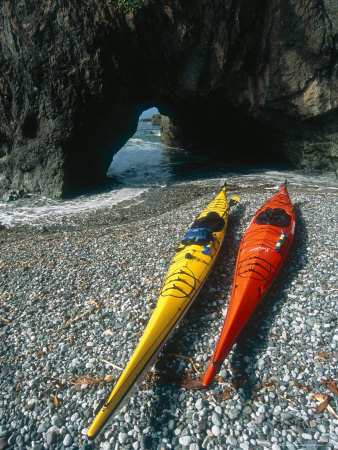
{"x": 126, "y": 6}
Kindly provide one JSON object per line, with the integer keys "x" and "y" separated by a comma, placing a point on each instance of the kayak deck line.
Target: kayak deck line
{"x": 258, "y": 262}
{"x": 184, "y": 280}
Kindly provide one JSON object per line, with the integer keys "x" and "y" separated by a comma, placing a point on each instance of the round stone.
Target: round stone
{"x": 216, "y": 420}
{"x": 233, "y": 413}
{"x": 232, "y": 441}
{"x": 216, "y": 430}
{"x": 171, "y": 424}
{"x": 199, "y": 403}
{"x": 42, "y": 428}
{"x": 57, "y": 421}
{"x": 185, "y": 441}
{"x": 68, "y": 440}
{"x": 74, "y": 417}
{"x": 122, "y": 437}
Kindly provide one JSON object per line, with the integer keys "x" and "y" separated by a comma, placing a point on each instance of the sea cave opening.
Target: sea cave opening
{"x": 146, "y": 160}
{"x": 141, "y": 160}
{"x": 205, "y": 142}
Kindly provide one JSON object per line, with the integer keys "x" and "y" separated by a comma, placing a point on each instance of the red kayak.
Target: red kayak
{"x": 262, "y": 252}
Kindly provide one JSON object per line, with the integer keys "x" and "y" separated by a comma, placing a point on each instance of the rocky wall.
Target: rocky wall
{"x": 234, "y": 76}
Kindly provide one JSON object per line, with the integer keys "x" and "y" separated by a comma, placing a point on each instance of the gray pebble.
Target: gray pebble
{"x": 57, "y": 421}
{"x": 311, "y": 444}
{"x": 122, "y": 438}
{"x": 88, "y": 413}
{"x": 50, "y": 437}
{"x": 286, "y": 416}
{"x": 216, "y": 430}
{"x": 290, "y": 446}
{"x": 185, "y": 441}
{"x": 199, "y": 404}
{"x": 232, "y": 441}
{"x": 171, "y": 424}
{"x": 260, "y": 419}
{"x": 194, "y": 446}
{"x": 68, "y": 440}
{"x": 37, "y": 447}
{"x": 216, "y": 420}
{"x": 42, "y": 428}
{"x": 233, "y": 413}
{"x": 247, "y": 410}
{"x": 3, "y": 443}
{"x": 307, "y": 436}
{"x": 74, "y": 417}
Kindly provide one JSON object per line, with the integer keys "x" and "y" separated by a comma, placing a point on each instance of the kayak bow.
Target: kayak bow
{"x": 185, "y": 277}
{"x": 262, "y": 252}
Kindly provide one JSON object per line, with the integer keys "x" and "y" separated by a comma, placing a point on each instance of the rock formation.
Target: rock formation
{"x": 247, "y": 79}
{"x": 156, "y": 119}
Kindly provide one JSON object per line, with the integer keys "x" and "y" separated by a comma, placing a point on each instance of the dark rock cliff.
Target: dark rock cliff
{"x": 251, "y": 79}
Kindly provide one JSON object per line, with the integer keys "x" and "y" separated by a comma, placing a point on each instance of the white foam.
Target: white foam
{"x": 133, "y": 141}
{"x": 261, "y": 178}
{"x": 40, "y": 210}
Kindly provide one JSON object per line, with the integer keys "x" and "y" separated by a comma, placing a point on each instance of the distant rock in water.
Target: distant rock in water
{"x": 12, "y": 195}
{"x": 156, "y": 119}
{"x": 253, "y": 81}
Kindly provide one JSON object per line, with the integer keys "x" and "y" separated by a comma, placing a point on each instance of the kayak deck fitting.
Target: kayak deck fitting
{"x": 188, "y": 271}
{"x": 262, "y": 252}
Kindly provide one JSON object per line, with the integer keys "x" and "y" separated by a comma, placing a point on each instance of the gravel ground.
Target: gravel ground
{"x": 75, "y": 298}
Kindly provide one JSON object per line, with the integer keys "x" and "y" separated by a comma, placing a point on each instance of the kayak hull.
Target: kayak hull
{"x": 261, "y": 255}
{"x": 187, "y": 272}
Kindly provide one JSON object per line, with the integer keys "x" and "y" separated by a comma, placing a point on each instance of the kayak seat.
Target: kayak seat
{"x": 213, "y": 221}
{"x": 201, "y": 231}
{"x": 274, "y": 216}
{"x": 197, "y": 236}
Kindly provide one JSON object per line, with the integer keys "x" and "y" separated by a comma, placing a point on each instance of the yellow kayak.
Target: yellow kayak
{"x": 186, "y": 275}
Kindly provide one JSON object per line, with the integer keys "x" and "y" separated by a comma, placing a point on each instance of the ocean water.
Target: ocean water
{"x": 143, "y": 163}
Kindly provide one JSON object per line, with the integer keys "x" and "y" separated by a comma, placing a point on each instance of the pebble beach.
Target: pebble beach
{"x": 75, "y": 298}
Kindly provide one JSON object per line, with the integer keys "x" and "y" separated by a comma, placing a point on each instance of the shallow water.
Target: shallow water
{"x": 144, "y": 163}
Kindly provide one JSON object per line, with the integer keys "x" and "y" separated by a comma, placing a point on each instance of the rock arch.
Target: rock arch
{"x": 73, "y": 75}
